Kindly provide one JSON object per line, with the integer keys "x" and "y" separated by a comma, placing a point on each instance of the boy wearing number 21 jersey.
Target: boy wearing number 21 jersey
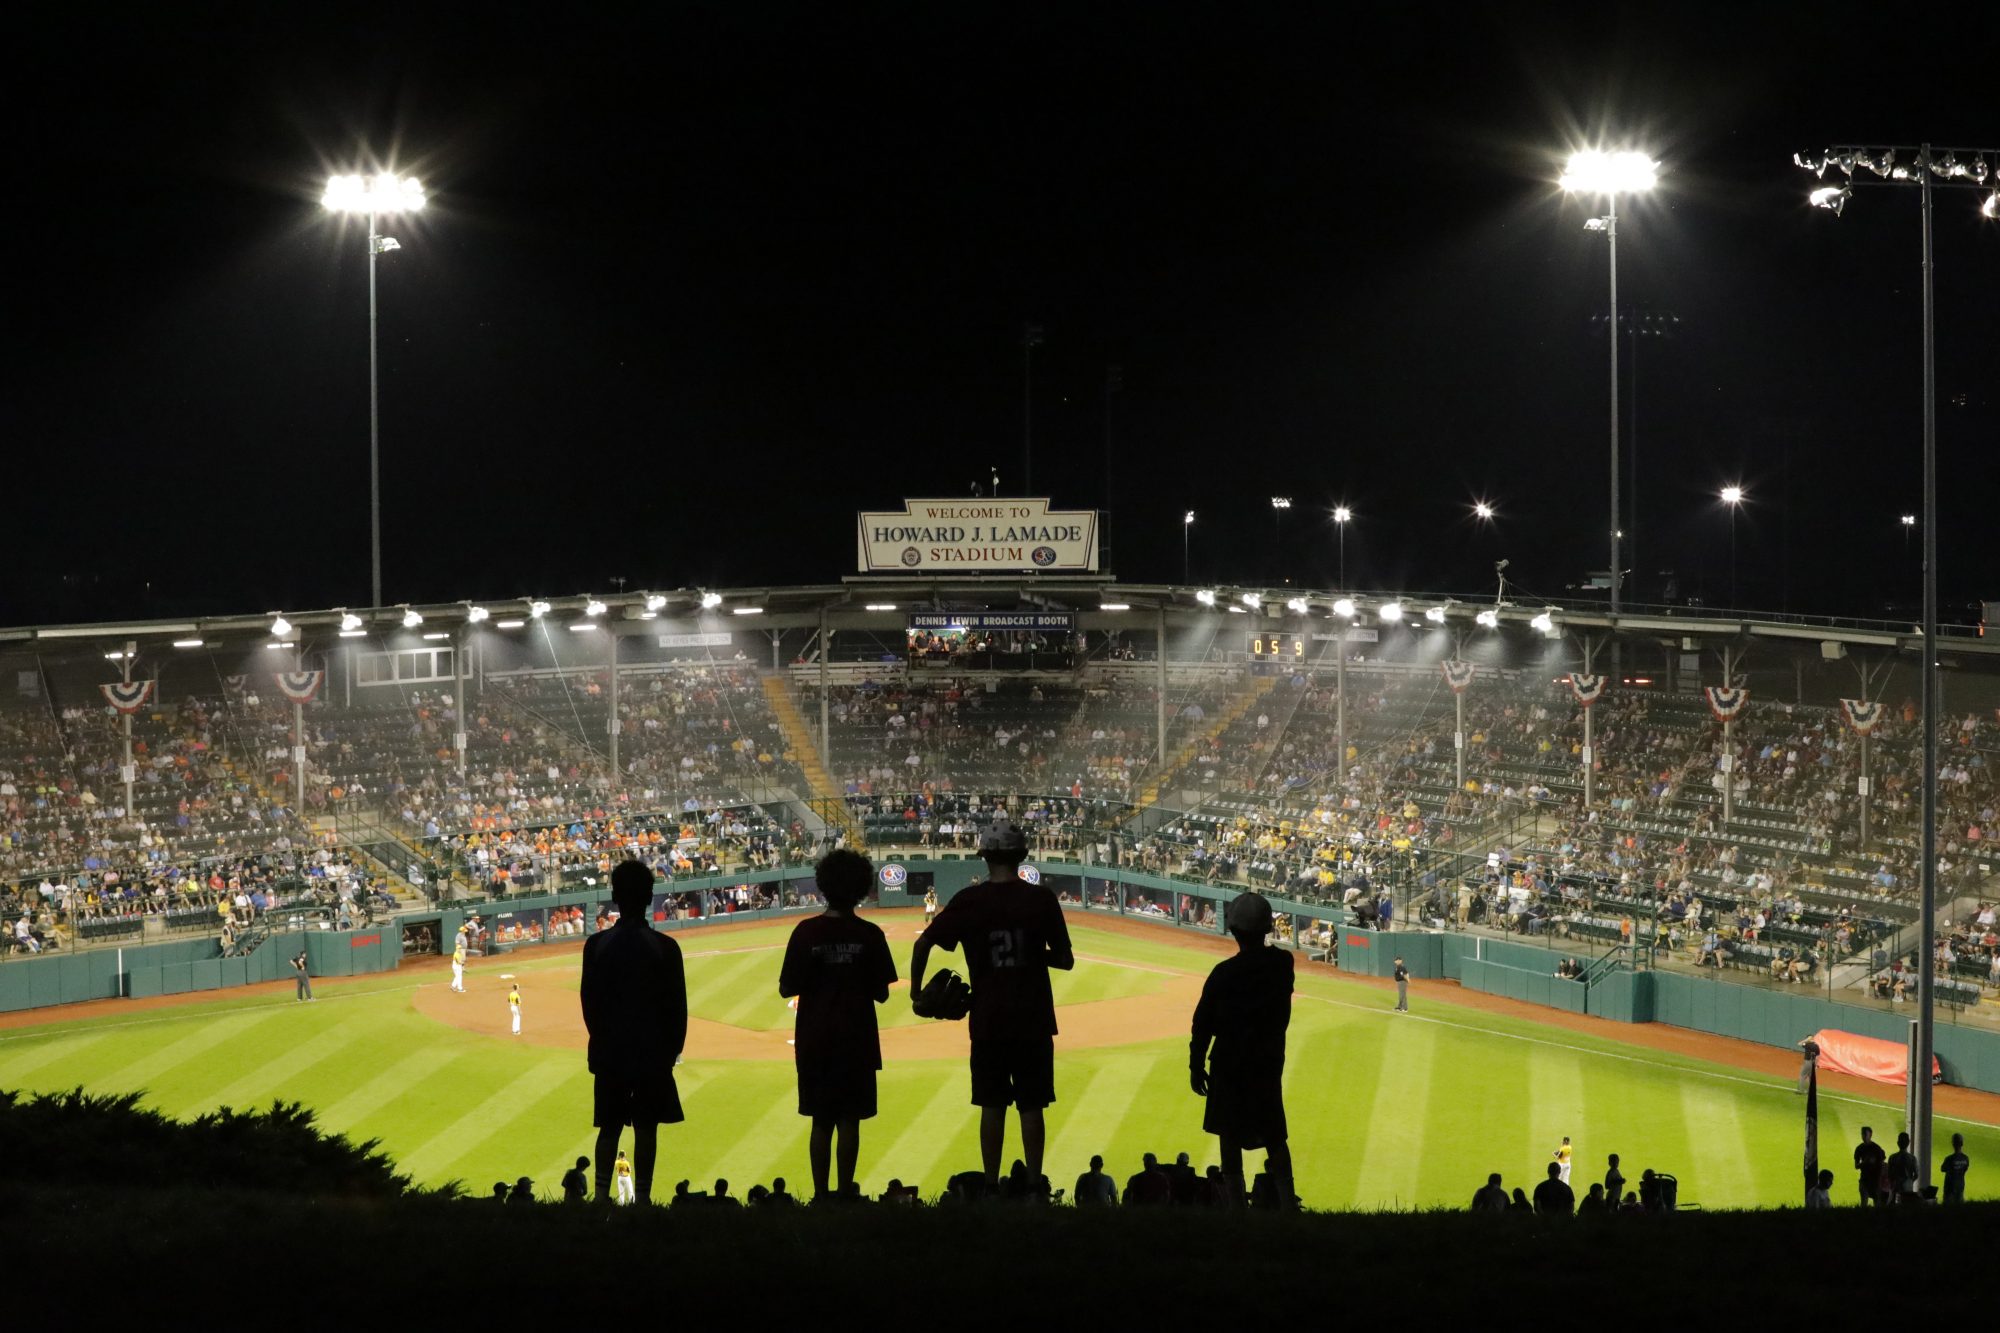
{"x": 1011, "y": 933}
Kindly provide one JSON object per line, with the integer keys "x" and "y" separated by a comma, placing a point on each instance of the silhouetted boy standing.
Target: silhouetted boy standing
{"x": 635, "y": 1007}
{"x": 1245, "y": 1007}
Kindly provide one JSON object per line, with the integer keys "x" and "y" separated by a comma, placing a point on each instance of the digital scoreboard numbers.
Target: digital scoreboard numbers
{"x": 1278, "y": 647}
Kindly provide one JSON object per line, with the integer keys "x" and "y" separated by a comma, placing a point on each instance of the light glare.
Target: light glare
{"x": 384, "y": 192}
{"x": 1391, "y": 612}
{"x": 1344, "y": 607}
{"x": 1594, "y": 171}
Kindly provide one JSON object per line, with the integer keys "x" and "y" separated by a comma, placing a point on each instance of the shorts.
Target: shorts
{"x": 1014, "y": 1071}
{"x": 836, "y": 1091}
{"x": 1248, "y": 1110}
{"x": 620, "y": 1101}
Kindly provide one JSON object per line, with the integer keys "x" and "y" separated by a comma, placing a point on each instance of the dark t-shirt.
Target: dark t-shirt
{"x": 1246, "y": 1005}
{"x": 1868, "y": 1159}
{"x": 1554, "y": 1199}
{"x": 1954, "y": 1168}
{"x": 839, "y": 967}
{"x": 634, "y": 1000}
{"x": 1007, "y": 931}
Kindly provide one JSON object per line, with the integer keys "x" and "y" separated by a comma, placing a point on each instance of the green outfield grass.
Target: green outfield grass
{"x": 1386, "y": 1110}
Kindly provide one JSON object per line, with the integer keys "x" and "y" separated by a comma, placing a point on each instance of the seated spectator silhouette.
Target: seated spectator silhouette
{"x": 1187, "y": 1181}
{"x": 1149, "y": 1187}
{"x": 634, "y": 996}
{"x": 1094, "y": 1188}
{"x": 575, "y": 1185}
{"x": 1491, "y": 1197}
{"x": 1245, "y": 1007}
{"x": 779, "y": 1195}
{"x": 1520, "y": 1203}
{"x": 499, "y": 1191}
{"x": 523, "y": 1191}
{"x": 1217, "y": 1190}
{"x": 1593, "y": 1204}
{"x": 838, "y": 967}
{"x": 723, "y": 1196}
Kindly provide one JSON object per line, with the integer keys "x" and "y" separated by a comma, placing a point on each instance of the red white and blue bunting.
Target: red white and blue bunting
{"x": 299, "y": 686}
{"x": 128, "y": 697}
{"x": 1457, "y": 674}
{"x": 1587, "y": 687}
{"x": 1725, "y": 702}
{"x": 1862, "y": 715}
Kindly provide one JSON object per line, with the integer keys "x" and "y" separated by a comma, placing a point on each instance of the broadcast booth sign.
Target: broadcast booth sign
{"x": 1000, "y": 536}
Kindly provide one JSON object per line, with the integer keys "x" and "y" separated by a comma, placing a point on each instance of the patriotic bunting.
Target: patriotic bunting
{"x": 128, "y": 697}
{"x": 1458, "y": 675}
{"x": 1726, "y": 703}
{"x": 1862, "y": 715}
{"x": 1586, "y": 687}
{"x": 299, "y": 686}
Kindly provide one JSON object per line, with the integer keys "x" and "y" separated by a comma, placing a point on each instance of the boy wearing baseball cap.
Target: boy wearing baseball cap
{"x": 1245, "y": 1007}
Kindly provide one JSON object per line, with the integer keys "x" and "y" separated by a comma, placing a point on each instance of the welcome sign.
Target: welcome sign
{"x": 977, "y": 536}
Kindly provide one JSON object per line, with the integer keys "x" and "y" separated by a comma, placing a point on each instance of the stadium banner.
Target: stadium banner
{"x": 128, "y": 697}
{"x": 299, "y": 686}
{"x": 1353, "y": 634}
{"x": 1586, "y": 687}
{"x": 982, "y": 622}
{"x": 1863, "y": 716}
{"x": 1001, "y": 535}
{"x": 1726, "y": 703}
{"x": 712, "y": 639}
{"x": 1458, "y": 674}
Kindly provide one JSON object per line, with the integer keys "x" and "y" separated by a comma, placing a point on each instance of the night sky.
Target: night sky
{"x": 698, "y": 285}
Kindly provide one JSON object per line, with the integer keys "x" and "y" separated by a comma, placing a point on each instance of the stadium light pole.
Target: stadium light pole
{"x": 1187, "y": 525}
{"x": 1342, "y": 515}
{"x": 1595, "y": 172}
{"x": 1031, "y": 338}
{"x": 1733, "y": 497}
{"x": 383, "y": 194}
{"x": 1279, "y": 504}
{"x": 1928, "y": 170}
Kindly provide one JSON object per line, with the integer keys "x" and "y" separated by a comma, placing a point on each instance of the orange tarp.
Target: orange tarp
{"x": 1867, "y": 1057}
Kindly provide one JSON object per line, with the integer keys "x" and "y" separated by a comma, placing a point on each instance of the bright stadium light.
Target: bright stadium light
{"x": 412, "y": 617}
{"x": 1833, "y": 197}
{"x": 383, "y": 194}
{"x": 1206, "y": 597}
{"x": 583, "y": 627}
{"x": 114, "y": 657}
{"x": 477, "y": 614}
{"x": 1390, "y": 612}
{"x": 1545, "y": 622}
{"x": 1488, "y": 619}
{"x": 1595, "y": 172}
{"x": 537, "y": 609}
{"x": 746, "y": 611}
{"x": 1298, "y": 606}
{"x": 1482, "y": 510}
{"x": 436, "y": 635}
{"x": 880, "y": 606}
{"x": 280, "y": 627}
{"x": 354, "y": 634}
{"x": 1732, "y": 495}
{"x": 508, "y": 624}
{"x": 187, "y": 643}
{"x": 1114, "y": 606}
{"x": 275, "y": 643}
{"x": 593, "y": 607}
{"x": 1990, "y": 206}
{"x": 1252, "y": 600}
{"x": 1435, "y": 615}
{"x": 349, "y": 622}
{"x": 710, "y": 600}
{"x": 654, "y": 601}
{"x": 1345, "y": 607}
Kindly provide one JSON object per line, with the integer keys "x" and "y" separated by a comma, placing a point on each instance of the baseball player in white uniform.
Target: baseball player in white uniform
{"x": 458, "y": 964}
{"x": 514, "y": 1005}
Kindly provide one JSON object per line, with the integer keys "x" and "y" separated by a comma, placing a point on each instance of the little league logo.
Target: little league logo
{"x": 1043, "y": 555}
{"x": 1032, "y": 874}
{"x": 894, "y": 876}
{"x": 912, "y": 556}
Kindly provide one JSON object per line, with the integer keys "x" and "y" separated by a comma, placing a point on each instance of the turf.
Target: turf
{"x": 1386, "y": 1110}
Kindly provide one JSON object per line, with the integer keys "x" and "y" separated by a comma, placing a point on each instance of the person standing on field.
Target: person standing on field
{"x": 458, "y": 962}
{"x": 634, "y": 997}
{"x": 514, "y": 1007}
{"x": 1402, "y": 988}
{"x": 1868, "y": 1161}
{"x": 1562, "y": 1156}
{"x": 303, "y": 978}
{"x": 1012, "y": 933}
{"x": 1245, "y": 1008}
{"x": 1954, "y": 1168}
{"x": 1614, "y": 1180}
{"x": 838, "y": 968}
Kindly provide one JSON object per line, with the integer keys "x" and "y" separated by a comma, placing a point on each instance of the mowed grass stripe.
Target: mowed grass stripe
{"x": 1718, "y": 1154}
{"x": 262, "y": 1083}
{"x": 718, "y": 984}
{"x": 1163, "y": 1113}
{"x": 387, "y": 1086}
{"x": 204, "y": 1037}
{"x": 26, "y": 1061}
{"x": 515, "y": 1140}
{"x": 1555, "y": 1108}
{"x": 1392, "y": 1159}
{"x": 459, "y": 1138}
{"x": 927, "y": 1132}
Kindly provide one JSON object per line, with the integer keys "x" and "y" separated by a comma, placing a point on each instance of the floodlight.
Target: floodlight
{"x": 1252, "y": 600}
{"x": 746, "y": 611}
{"x": 474, "y": 615}
{"x": 1114, "y": 606}
{"x": 1989, "y": 207}
{"x": 1489, "y": 619}
{"x": 1545, "y": 622}
{"x": 1281, "y": 502}
{"x": 1341, "y": 513}
{"x": 654, "y": 601}
{"x": 280, "y": 627}
{"x": 349, "y": 622}
{"x": 411, "y": 617}
{"x": 1390, "y": 612}
{"x": 1596, "y": 172}
{"x": 436, "y": 635}
{"x": 1205, "y": 597}
{"x": 881, "y": 606}
{"x": 537, "y": 609}
{"x": 277, "y": 643}
{"x": 508, "y": 624}
{"x": 1482, "y": 510}
{"x": 113, "y": 657}
{"x": 1236, "y": 611}
{"x": 1187, "y": 518}
{"x": 354, "y": 634}
{"x": 1298, "y": 605}
{"x": 187, "y": 643}
{"x": 1732, "y": 495}
{"x": 384, "y": 192}
{"x": 1597, "y": 224}
{"x": 710, "y": 600}
{"x": 1344, "y": 607}
{"x": 1833, "y": 197}
{"x": 583, "y": 627}
{"x": 1909, "y": 520}
{"x": 1435, "y": 615}
{"x": 593, "y": 607}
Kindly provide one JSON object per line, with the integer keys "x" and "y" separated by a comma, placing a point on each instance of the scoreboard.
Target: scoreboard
{"x": 1276, "y": 647}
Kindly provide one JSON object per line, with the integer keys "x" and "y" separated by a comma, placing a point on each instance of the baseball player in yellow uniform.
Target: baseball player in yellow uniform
{"x": 458, "y": 962}
{"x": 622, "y": 1171}
{"x": 514, "y": 1006}
{"x": 1562, "y": 1155}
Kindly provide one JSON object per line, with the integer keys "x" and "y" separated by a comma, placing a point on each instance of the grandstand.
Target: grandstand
{"x": 494, "y": 756}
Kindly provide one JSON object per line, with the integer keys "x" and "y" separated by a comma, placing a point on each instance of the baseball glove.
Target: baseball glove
{"x": 944, "y": 996}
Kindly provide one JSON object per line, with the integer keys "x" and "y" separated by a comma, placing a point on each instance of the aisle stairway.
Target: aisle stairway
{"x": 1199, "y": 741}
{"x": 825, "y": 798}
